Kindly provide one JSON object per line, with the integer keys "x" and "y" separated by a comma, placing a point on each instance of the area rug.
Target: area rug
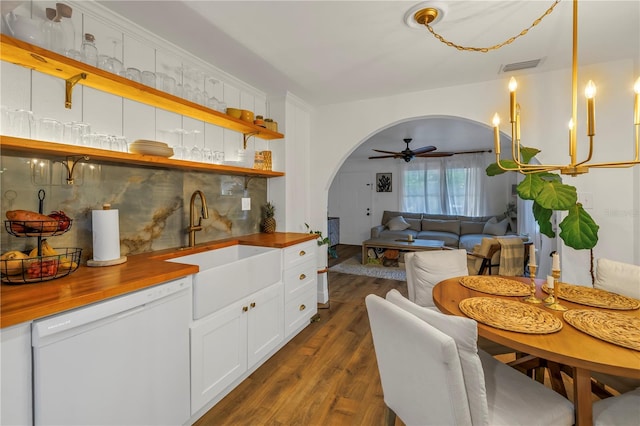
{"x": 354, "y": 266}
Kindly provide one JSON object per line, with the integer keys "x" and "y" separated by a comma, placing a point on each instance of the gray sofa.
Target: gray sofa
{"x": 456, "y": 231}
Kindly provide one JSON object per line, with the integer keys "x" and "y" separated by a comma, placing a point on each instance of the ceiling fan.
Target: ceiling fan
{"x": 426, "y": 151}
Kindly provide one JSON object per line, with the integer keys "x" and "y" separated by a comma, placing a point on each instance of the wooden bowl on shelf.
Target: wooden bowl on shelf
{"x": 247, "y": 115}
{"x": 234, "y": 112}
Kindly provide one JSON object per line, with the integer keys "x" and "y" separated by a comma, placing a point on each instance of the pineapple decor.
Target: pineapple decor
{"x": 268, "y": 224}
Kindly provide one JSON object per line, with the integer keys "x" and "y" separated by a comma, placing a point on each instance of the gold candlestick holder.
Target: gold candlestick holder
{"x": 532, "y": 297}
{"x": 554, "y": 304}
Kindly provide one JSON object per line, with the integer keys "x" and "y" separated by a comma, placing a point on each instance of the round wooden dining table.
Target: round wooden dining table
{"x": 569, "y": 346}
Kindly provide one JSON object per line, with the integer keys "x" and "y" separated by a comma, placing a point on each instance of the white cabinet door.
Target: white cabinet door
{"x": 266, "y": 322}
{"x": 218, "y": 352}
{"x": 16, "y": 396}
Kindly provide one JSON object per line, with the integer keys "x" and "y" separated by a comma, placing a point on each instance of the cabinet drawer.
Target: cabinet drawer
{"x": 298, "y": 278}
{"x": 299, "y": 311}
{"x": 299, "y": 253}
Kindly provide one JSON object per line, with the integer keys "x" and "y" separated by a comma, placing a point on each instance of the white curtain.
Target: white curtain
{"x": 447, "y": 185}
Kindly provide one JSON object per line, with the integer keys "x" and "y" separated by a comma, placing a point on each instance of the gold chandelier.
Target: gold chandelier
{"x": 575, "y": 167}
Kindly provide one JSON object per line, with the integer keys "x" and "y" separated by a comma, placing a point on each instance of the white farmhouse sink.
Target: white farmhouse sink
{"x": 229, "y": 274}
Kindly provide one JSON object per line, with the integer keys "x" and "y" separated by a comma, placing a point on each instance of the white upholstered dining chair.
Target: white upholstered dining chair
{"x": 425, "y": 269}
{"x": 624, "y": 279}
{"x": 622, "y": 410}
{"x": 433, "y": 374}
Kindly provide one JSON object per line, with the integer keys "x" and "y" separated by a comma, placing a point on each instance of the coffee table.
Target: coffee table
{"x": 399, "y": 244}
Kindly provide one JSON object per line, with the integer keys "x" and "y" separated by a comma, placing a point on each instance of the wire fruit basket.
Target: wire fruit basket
{"x": 40, "y": 268}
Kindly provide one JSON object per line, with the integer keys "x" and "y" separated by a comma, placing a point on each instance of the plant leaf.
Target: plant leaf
{"x": 546, "y": 176}
{"x": 530, "y": 187}
{"x": 543, "y": 217}
{"x": 493, "y": 169}
{"x": 526, "y": 154}
{"x": 578, "y": 229}
{"x": 556, "y": 196}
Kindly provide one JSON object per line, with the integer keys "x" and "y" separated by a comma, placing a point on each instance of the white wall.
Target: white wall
{"x": 290, "y": 193}
{"x": 545, "y": 100}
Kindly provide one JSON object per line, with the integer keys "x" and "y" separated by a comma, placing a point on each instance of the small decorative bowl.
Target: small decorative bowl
{"x": 246, "y": 115}
{"x": 234, "y": 112}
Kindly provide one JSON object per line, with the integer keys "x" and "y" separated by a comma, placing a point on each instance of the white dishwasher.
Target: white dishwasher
{"x": 124, "y": 361}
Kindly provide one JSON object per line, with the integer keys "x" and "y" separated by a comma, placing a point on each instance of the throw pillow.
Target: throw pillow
{"x": 493, "y": 227}
{"x": 469, "y": 227}
{"x": 438, "y": 225}
{"x": 397, "y": 224}
{"x": 464, "y": 331}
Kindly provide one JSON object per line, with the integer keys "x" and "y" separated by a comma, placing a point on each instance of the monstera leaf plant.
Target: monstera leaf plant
{"x": 578, "y": 230}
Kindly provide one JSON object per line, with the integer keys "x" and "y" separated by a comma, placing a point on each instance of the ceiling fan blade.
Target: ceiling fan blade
{"x": 387, "y": 152}
{"x": 435, "y": 154}
{"x": 474, "y": 151}
{"x": 386, "y": 156}
{"x": 424, "y": 149}
{"x": 449, "y": 154}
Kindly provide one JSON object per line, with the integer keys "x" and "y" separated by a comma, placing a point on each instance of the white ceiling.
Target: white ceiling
{"x": 336, "y": 51}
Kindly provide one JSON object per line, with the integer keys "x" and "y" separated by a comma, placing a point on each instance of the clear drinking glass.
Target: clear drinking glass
{"x": 49, "y": 129}
{"x": 149, "y": 79}
{"x": 120, "y": 144}
{"x": 207, "y": 155}
{"x": 134, "y": 74}
{"x": 174, "y": 139}
{"x": 75, "y": 131}
{"x": 218, "y": 157}
{"x": 21, "y": 123}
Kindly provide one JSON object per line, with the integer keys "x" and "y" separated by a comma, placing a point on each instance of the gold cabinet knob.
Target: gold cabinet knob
{"x": 302, "y": 253}
{"x": 253, "y": 304}
{"x": 302, "y": 307}
{"x": 245, "y": 309}
{"x": 302, "y": 276}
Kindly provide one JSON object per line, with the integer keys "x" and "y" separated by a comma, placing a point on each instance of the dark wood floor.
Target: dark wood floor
{"x": 326, "y": 375}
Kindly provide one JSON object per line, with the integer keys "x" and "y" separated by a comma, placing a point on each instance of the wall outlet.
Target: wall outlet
{"x": 246, "y": 204}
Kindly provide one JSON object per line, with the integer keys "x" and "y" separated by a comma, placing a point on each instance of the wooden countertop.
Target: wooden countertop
{"x": 26, "y": 302}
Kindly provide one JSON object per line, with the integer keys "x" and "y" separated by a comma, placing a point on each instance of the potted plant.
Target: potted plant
{"x": 268, "y": 224}
{"x": 578, "y": 230}
{"x": 322, "y": 240}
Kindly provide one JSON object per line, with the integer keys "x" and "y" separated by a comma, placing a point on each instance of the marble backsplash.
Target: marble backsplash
{"x": 153, "y": 203}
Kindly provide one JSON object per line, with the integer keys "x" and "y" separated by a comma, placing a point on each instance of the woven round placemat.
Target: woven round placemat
{"x": 613, "y": 327}
{"x": 495, "y": 285}
{"x": 595, "y": 297}
{"x": 510, "y": 315}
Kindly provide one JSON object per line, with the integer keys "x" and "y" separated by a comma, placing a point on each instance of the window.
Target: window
{"x": 448, "y": 185}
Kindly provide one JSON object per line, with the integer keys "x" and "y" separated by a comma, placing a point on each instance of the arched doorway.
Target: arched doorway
{"x": 353, "y": 194}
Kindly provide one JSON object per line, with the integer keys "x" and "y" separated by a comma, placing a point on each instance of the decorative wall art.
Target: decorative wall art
{"x": 383, "y": 182}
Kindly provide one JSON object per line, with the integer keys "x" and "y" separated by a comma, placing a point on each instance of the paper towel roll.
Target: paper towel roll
{"x": 106, "y": 235}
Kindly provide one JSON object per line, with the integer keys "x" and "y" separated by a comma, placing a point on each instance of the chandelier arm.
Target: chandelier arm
{"x": 590, "y": 152}
{"x": 496, "y": 46}
{"x": 617, "y": 164}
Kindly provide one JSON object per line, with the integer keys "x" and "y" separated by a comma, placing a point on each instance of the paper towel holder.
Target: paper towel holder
{"x": 111, "y": 262}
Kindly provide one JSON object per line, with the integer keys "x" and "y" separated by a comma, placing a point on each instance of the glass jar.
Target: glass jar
{"x": 89, "y": 50}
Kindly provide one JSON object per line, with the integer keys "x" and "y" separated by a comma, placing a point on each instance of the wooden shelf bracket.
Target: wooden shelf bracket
{"x": 246, "y": 137}
{"x": 69, "y": 83}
